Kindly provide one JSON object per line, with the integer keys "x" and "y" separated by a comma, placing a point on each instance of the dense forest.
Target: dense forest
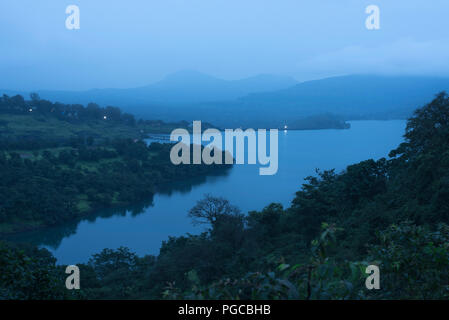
{"x": 68, "y": 112}
{"x": 31, "y": 124}
{"x": 391, "y": 212}
{"x": 51, "y": 186}
{"x": 49, "y": 181}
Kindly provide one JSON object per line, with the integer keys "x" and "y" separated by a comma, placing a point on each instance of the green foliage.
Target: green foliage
{"x": 254, "y": 286}
{"x": 115, "y": 274}
{"x": 321, "y": 278}
{"x": 414, "y": 261}
{"x": 25, "y": 277}
{"x": 319, "y": 248}
{"x": 67, "y": 112}
{"x": 66, "y": 184}
{"x": 363, "y": 200}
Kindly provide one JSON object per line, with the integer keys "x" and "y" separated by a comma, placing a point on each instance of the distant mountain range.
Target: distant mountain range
{"x": 351, "y": 97}
{"x": 264, "y": 100}
{"x": 179, "y": 88}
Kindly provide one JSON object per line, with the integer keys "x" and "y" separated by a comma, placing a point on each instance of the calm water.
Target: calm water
{"x": 144, "y": 226}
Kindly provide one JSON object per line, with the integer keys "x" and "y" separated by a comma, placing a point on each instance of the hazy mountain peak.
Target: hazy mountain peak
{"x": 188, "y": 74}
{"x": 267, "y": 81}
{"x": 188, "y": 78}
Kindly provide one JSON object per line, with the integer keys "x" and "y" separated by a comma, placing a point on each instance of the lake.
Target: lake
{"x": 145, "y": 225}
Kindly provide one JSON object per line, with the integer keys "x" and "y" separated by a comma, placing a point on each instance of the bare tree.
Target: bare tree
{"x": 209, "y": 209}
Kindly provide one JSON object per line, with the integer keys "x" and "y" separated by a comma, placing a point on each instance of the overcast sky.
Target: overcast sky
{"x": 135, "y": 42}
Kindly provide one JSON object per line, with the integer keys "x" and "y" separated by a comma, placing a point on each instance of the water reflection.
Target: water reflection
{"x": 145, "y": 225}
{"x": 52, "y": 237}
{"x": 186, "y": 186}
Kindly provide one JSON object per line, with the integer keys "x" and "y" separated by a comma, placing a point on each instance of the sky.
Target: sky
{"x": 122, "y": 44}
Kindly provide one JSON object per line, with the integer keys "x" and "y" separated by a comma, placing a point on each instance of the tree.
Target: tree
{"x": 210, "y": 209}
{"x": 428, "y": 129}
{"x": 24, "y": 277}
{"x": 414, "y": 261}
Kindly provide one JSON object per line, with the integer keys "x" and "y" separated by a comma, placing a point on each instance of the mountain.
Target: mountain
{"x": 266, "y": 100}
{"x": 352, "y": 97}
{"x": 183, "y": 87}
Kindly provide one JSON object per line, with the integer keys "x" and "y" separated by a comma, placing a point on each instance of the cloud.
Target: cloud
{"x": 404, "y": 57}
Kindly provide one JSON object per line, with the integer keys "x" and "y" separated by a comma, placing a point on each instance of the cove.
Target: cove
{"x": 143, "y": 226}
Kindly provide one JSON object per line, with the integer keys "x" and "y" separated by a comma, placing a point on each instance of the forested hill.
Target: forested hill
{"x": 267, "y": 101}
{"x": 351, "y": 97}
{"x": 392, "y": 213}
{"x": 30, "y": 119}
{"x": 61, "y": 162}
{"x": 42, "y": 120}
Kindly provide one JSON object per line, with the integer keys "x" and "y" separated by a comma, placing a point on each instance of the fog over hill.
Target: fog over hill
{"x": 264, "y": 100}
{"x": 178, "y": 88}
{"x": 351, "y": 97}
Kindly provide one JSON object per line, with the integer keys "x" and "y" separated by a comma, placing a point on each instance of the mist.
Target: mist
{"x": 124, "y": 45}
